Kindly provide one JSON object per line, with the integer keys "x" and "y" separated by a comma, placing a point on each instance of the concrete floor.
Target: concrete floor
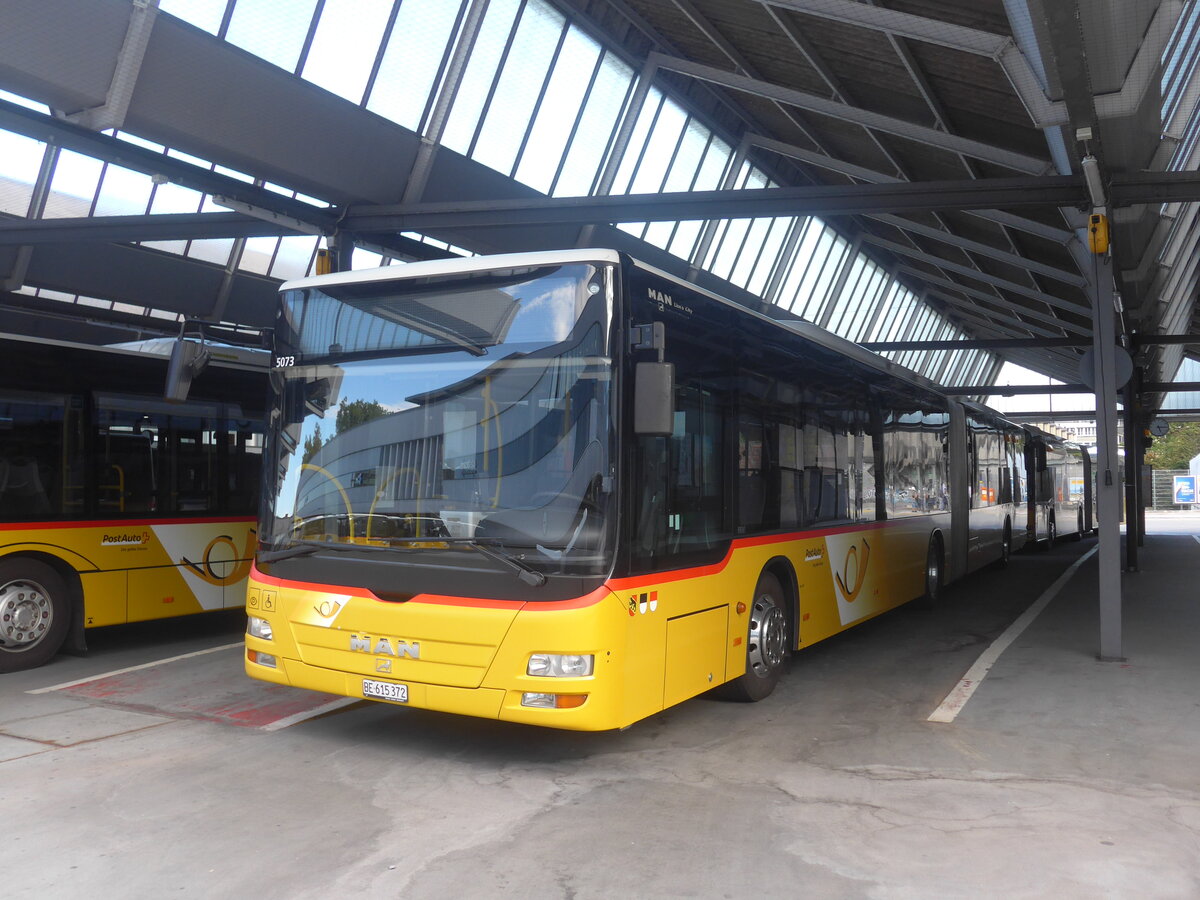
{"x": 1062, "y": 776}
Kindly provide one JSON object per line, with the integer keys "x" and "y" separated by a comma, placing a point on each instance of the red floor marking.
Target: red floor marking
{"x": 225, "y": 699}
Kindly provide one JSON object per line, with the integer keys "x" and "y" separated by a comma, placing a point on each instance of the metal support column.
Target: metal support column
{"x": 431, "y": 139}
{"x": 1108, "y": 485}
{"x": 1139, "y": 453}
{"x": 1133, "y": 437}
{"x": 633, "y": 112}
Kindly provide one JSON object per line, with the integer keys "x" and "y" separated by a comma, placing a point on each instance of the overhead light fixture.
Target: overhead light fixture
{"x": 1095, "y": 184}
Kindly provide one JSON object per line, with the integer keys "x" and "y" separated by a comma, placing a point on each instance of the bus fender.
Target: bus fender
{"x": 781, "y": 567}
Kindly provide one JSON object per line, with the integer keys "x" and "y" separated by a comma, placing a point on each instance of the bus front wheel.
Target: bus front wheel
{"x": 35, "y": 613}
{"x": 768, "y": 643}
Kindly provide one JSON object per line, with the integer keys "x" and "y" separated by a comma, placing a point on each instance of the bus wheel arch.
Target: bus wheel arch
{"x": 770, "y": 634}
{"x": 39, "y": 606}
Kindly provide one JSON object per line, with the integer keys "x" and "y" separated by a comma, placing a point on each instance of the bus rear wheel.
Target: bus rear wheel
{"x": 1078, "y": 535}
{"x": 934, "y": 574}
{"x": 1005, "y": 547}
{"x": 768, "y": 643}
{"x": 35, "y": 612}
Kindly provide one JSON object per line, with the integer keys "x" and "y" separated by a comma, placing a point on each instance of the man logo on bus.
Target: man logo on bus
{"x": 853, "y": 571}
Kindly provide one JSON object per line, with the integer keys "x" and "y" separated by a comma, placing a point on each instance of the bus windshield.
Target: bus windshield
{"x": 462, "y": 420}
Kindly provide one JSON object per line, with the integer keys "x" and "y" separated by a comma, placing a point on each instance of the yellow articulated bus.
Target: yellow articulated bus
{"x": 115, "y": 505}
{"x": 570, "y": 490}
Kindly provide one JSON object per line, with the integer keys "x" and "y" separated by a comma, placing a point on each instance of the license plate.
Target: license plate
{"x": 385, "y": 690}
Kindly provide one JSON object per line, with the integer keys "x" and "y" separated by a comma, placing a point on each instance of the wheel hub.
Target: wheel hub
{"x": 768, "y": 636}
{"x": 25, "y": 614}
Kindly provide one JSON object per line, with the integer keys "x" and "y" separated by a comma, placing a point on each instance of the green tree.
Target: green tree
{"x": 356, "y": 412}
{"x": 312, "y": 444}
{"x": 1175, "y": 449}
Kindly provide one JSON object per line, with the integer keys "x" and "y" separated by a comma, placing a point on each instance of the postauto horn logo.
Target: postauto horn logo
{"x": 205, "y": 570}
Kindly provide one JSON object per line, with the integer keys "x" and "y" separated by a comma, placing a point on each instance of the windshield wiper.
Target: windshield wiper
{"x": 524, "y": 572}
{"x": 308, "y": 548}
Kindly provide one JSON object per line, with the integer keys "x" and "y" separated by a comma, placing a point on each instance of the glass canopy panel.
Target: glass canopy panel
{"x": 769, "y": 257}
{"x": 22, "y": 159}
{"x": 637, "y": 141}
{"x": 477, "y": 79}
{"x": 758, "y": 236}
{"x": 73, "y": 187}
{"x": 517, "y": 90}
{"x": 596, "y": 127}
{"x": 174, "y": 198}
{"x": 123, "y": 192}
{"x": 835, "y": 250}
{"x": 412, "y": 61}
{"x": 345, "y": 46}
{"x": 258, "y": 254}
{"x": 685, "y": 169}
{"x": 272, "y": 30}
{"x": 552, "y": 128}
{"x": 294, "y": 258}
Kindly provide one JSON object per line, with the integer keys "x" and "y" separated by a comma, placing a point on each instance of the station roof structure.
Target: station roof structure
{"x": 916, "y": 175}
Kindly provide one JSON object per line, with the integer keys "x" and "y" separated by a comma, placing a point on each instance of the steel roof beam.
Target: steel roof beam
{"x": 66, "y": 135}
{"x": 982, "y": 344}
{"x": 1043, "y": 111}
{"x": 983, "y": 297}
{"x": 821, "y": 200}
{"x": 1004, "y": 256}
{"x": 157, "y": 227}
{"x": 1029, "y": 226}
{"x": 921, "y": 134}
{"x": 995, "y": 281}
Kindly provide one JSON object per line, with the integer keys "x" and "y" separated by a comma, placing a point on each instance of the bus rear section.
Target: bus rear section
{"x": 1060, "y": 488}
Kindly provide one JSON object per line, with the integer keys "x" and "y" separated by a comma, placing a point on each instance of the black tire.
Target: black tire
{"x": 1005, "y": 547}
{"x": 35, "y": 613}
{"x": 1078, "y": 535}
{"x": 1051, "y": 533}
{"x": 935, "y": 574}
{"x": 768, "y": 643}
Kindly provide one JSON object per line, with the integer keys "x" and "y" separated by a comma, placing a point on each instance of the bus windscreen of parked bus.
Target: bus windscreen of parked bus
{"x": 459, "y": 427}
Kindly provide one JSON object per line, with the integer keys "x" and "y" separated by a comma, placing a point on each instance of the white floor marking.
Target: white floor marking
{"x": 149, "y": 665}
{"x": 295, "y": 718}
{"x": 962, "y": 692}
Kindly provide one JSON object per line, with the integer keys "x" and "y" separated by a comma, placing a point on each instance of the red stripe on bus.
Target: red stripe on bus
{"x": 435, "y": 599}
{"x": 637, "y": 581}
{"x": 615, "y": 586}
{"x": 121, "y": 523}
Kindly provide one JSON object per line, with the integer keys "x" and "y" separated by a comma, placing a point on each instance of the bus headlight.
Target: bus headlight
{"x": 259, "y": 628}
{"x": 560, "y": 665}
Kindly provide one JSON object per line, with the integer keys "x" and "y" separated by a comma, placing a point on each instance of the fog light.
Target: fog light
{"x": 259, "y": 628}
{"x": 560, "y": 665}
{"x": 262, "y": 659}
{"x": 553, "y": 701}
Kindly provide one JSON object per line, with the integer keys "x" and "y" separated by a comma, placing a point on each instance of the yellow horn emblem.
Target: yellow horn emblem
{"x": 860, "y": 571}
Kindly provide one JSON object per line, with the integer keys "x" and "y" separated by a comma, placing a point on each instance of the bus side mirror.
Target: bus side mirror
{"x": 654, "y": 399}
{"x": 188, "y": 359}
